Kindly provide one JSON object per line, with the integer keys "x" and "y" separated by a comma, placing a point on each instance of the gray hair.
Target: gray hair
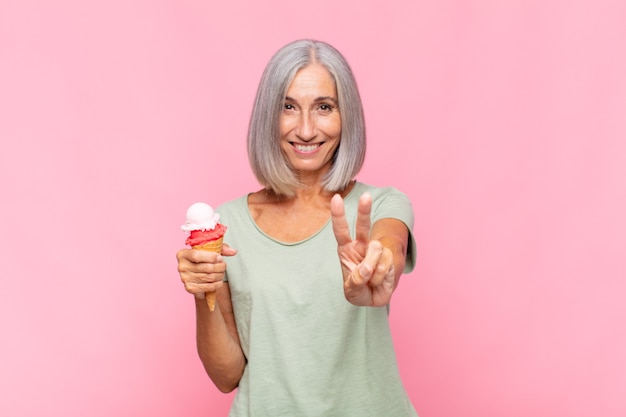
{"x": 267, "y": 160}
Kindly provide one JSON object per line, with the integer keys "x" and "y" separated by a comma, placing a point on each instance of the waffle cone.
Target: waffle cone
{"x": 212, "y": 246}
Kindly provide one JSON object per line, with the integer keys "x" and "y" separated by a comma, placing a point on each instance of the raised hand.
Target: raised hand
{"x": 367, "y": 266}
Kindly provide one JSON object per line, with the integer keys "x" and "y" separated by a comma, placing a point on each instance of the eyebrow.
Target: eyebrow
{"x": 317, "y": 100}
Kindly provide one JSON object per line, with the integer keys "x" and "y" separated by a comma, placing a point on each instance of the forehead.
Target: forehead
{"x": 313, "y": 78}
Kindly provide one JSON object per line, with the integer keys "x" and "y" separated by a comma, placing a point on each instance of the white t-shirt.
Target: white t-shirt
{"x": 309, "y": 351}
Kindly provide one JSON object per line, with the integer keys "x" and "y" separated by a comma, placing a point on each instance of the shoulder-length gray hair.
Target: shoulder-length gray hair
{"x": 267, "y": 160}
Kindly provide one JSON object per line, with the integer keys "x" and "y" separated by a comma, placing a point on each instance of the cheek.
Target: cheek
{"x": 332, "y": 127}
{"x": 283, "y": 127}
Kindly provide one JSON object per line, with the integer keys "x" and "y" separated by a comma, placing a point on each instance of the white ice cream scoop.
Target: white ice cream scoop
{"x": 200, "y": 216}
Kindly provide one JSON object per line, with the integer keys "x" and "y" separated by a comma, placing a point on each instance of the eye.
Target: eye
{"x": 325, "y": 108}
{"x": 289, "y": 108}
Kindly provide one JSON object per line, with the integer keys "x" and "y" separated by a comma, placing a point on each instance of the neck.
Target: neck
{"x": 306, "y": 194}
{"x": 316, "y": 191}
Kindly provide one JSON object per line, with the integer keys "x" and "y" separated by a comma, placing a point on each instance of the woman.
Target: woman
{"x": 286, "y": 332}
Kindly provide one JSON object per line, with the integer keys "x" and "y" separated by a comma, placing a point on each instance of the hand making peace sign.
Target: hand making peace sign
{"x": 368, "y": 266}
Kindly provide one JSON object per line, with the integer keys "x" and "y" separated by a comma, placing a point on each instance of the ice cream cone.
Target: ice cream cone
{"x": 212, "y": 246}
{"x": 205, "y": 233}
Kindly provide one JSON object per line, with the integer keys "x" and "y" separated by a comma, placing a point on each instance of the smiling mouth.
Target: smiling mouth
{"x": 306, "y": 148}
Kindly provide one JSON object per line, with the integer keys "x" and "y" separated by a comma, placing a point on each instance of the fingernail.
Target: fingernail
{"x": 363, "y": 271}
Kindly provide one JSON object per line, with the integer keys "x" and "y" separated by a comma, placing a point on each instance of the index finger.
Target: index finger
{"x": 198, "y": 256}
{"x": 338, "y": 219}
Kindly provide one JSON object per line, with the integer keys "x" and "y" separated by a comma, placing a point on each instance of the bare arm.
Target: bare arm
{"x": 393, "y": 235}
{"x": 218, "y": 342}
{"x": 216, "y": 331}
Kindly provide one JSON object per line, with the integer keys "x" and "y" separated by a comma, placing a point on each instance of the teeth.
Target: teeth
{"x": 306, "y": 148}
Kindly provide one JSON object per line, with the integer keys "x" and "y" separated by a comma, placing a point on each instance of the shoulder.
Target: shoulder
{"x": 259, "y": 201}
{"x": 376, "y": 191}
{"x": 231, "y": 203}
{"x": 387, "y": 201}
{"x": 232, "y": 209}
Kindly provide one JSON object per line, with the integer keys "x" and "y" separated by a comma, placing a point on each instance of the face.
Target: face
{"x": 310, "y": 124}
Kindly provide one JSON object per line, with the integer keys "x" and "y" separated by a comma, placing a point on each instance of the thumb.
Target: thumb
{"x": 228, "y": 251}
{"x": 364, "y": 271}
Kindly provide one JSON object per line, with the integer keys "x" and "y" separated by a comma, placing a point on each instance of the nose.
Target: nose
{"x": 306, "y": 130}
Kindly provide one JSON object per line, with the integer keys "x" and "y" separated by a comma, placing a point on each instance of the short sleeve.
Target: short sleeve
{"x": 391, "y": 203}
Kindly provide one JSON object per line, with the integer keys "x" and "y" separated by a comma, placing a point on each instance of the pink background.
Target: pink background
{"x": 504, "y": 121}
